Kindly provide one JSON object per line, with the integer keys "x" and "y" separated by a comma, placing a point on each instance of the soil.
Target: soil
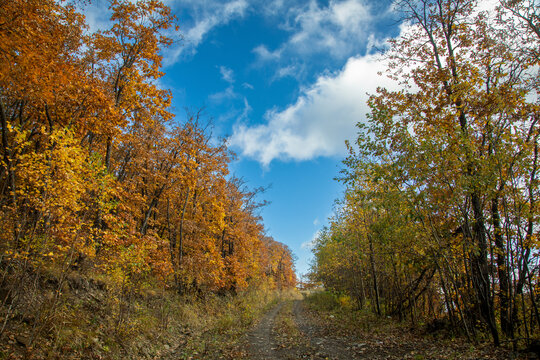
{"x": 314, "y": 342}
{"x": 261, "y": 342}
{"x": 321, "y": 335}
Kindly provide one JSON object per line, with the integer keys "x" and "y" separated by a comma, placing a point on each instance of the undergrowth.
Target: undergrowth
{"x": 341, "y": 308}
{"x": 338, "y": 315}
{"x": 71, "y": 316}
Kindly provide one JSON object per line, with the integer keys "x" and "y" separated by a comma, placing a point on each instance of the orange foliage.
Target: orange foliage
{"x": 94, "y": 169}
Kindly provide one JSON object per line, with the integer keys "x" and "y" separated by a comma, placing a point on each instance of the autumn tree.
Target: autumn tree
{"x": 278, "y": 263}
{"x": 449, "y": 161}
{"x": 98, "y": 176}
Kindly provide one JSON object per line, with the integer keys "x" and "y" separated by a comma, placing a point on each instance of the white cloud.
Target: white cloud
{"x": 237, "y": 109}
{"x": 246, "y": 111}
{"x": 310, "y": 244}
{"x": 97, "y": 15}
{"x": 321, "y": 119}
{"x": 287, "y": 71}
{"x": 488, "y": 5}
{"x": 221, "y": 96}
{"x": 264, "y": 54}
{"x": 375, "y": 45}
{"x": 337, "y": 29}
{"x": 273, "y": 7}
{"x": 227, "y": 74}
{"x": 207, "y": 15}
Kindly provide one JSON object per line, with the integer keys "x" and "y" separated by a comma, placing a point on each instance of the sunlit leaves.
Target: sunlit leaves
{"x": 96, "y": 172}
{"x": 442, "y": 185}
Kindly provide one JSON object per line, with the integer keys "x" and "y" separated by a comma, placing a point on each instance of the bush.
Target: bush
{"x": 324, "y": 300}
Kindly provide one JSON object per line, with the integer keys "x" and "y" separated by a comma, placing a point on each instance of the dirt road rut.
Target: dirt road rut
{"x": 310, "y": 342}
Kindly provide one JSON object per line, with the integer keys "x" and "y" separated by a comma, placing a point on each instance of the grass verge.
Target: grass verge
{"x": 379, "y": 337}
{"x": 85, "y": 317}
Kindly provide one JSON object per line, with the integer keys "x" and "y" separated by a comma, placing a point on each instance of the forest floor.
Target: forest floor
{"x": 298, "y": 329}
{"x": 256, "y": 324}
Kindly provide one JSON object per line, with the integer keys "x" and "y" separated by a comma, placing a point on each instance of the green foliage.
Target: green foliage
{"x": 326, "y": 300}
{"x": 439, "y": 217}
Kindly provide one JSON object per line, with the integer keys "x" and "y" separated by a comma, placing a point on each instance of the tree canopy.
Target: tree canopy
{"x": 439, "y": 219}
{"x": 97, "y": 172}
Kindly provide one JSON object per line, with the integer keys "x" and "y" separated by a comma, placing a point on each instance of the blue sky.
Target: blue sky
{"x": 285, "y": 81}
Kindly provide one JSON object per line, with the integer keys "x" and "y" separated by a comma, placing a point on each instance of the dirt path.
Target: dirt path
{"x": 261, "y": 342}
{"x": 291, "y": 331}
{"x": 304, "y": 339}
{"x": 322, "y": 344}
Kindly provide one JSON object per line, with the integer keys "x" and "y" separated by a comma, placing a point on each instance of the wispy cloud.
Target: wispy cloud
{"x": 246, "y": 111}
{"x": 207, "y": 15}
{"x": 96, "y": 13}
{"x": 238, "y": 109}
{"x": 227, "y": 74}
{"x": 337, "y": 29}
{"x": 288, "y": 71}
{"x": 265, "y": 55}
{"x": 227, "y": 94}
{"x": 310, "y": 244}
{"x": 375, "y": 45}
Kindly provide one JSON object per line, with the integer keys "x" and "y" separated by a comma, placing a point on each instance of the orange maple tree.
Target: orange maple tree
{"x": 96, "y": 171}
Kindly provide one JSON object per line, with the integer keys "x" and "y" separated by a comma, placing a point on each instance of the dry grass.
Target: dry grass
{"x": 285, "y": 329}
{"x": 66, "y": 315}
{"x": 383, "y": 337}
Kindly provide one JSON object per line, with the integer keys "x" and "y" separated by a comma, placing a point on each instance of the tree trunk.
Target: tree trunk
{"x": 10, "y": 172}
{"x": 374, "y": 275}
{"x": 108, "y": 154}
{"x": 506, "y": 324}
{"x": 480, "y": 273}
